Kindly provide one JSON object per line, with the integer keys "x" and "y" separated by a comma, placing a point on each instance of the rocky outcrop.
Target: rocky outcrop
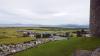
{"x": 96, "y": 52}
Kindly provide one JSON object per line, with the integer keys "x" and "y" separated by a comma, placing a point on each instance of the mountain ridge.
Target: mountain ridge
{"x": 39, "y": 25}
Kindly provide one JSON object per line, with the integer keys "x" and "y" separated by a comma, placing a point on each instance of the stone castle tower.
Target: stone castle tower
{"x": 95, "y": 18}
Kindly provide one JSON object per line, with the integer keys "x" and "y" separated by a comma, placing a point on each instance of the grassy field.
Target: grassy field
{"x": 14, "y": 40}
{"x": 9, "y": 35}
{"x": 61, "y": 48}
{"x": 55, "y": 48}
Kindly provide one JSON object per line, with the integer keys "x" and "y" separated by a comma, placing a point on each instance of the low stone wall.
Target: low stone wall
{"x": 6, "y": 50}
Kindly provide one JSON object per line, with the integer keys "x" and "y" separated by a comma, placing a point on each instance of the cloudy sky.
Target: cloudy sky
{"x": 47, "y": 12}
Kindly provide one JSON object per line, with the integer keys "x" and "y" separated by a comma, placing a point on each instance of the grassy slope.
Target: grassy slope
{"x": 61, "y": 48}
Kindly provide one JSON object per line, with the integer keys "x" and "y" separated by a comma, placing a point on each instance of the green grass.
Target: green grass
{"x": 61, "y": 48}
{"x": 10, "y": 35}
{"x": 15, "y": 40}
{"x": 56, "y": 48}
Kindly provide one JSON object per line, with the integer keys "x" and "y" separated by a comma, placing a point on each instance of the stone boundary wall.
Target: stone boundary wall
{"x": 6, "y": 50}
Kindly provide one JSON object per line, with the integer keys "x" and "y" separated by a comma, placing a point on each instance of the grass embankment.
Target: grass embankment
{"x": 61, "y": 48}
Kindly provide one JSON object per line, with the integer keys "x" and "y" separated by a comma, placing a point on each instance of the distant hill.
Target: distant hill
{"x": 74, "y": 26}
{"x": 37, "y": 25}
{"x": 19, "y": 25}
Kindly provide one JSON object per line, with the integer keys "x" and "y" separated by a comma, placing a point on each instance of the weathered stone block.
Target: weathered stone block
{"x": 82, "y": 53}
{"x": 96, "y": 52}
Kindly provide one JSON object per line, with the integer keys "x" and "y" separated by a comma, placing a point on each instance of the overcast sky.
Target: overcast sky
{"x": 47, "y": 12}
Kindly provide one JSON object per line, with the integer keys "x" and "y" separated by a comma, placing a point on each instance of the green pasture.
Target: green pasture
{"x": 10, "y": 35}
{"x": 61, "y": 48}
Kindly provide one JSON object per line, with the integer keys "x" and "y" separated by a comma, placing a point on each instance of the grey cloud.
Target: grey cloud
{"x": 32, "y": 11}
